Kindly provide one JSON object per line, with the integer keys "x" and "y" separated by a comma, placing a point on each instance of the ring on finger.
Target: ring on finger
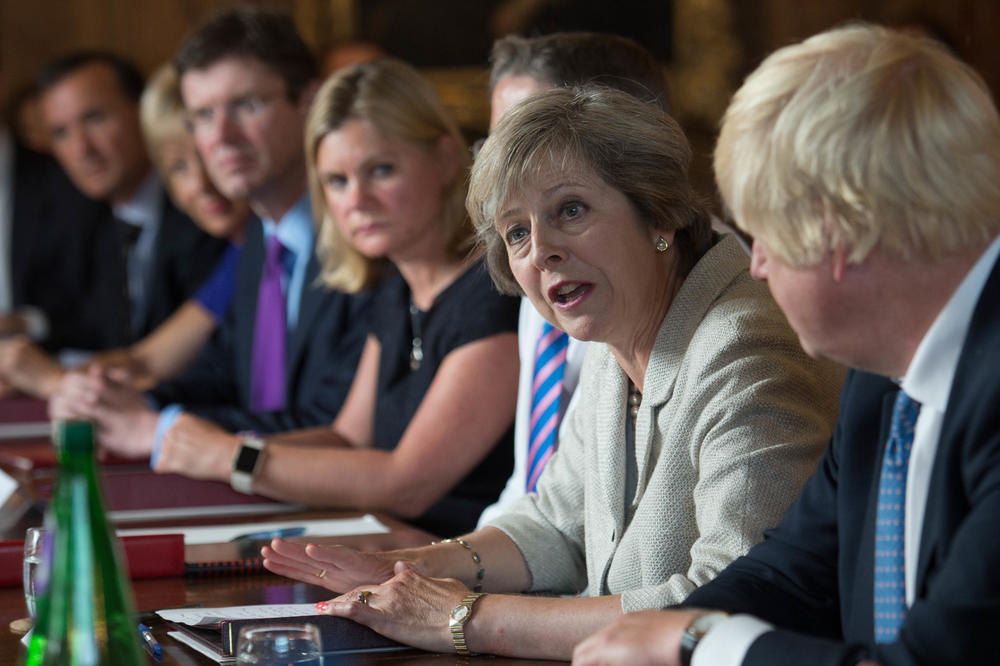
{"x": 363, "y": 596}
{"x": 321, "y": 574}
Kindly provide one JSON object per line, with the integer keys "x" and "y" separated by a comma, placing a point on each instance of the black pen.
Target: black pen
{"x": 150, "y": 640}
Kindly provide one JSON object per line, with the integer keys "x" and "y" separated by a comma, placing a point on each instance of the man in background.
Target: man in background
{"x": 285, "y": 356}
{"x": 46, "y": 227}
{"x": 148, "y": 256}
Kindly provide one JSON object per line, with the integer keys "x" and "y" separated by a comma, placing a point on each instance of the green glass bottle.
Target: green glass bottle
{"x": 85, "y": 611}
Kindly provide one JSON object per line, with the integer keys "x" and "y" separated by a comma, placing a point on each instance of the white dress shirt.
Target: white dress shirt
{"x": 529, "y": 327}
{"x": 144, "y": 211}
{"x": 928, "y": 380}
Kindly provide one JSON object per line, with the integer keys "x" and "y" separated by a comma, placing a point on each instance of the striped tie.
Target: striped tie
{"x": 546, "y": 394}
{"x": 890, "y": 560}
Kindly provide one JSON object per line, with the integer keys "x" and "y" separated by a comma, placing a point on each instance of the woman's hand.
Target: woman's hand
{"x": 197, "y": 448}
{"x": 337, "y": 568}
{"x": 408, "y": 608}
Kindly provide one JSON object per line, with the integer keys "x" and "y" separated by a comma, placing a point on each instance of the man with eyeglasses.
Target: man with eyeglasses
{"x": 147, "y": 257}
{"x": 285, "y": 355}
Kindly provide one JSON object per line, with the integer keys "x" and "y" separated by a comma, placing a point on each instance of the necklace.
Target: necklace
{"x": 417, "y": 343}
{"x": 634, "y": 400}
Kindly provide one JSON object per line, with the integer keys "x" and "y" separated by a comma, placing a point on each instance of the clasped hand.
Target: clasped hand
{"x": 108, "y": 398}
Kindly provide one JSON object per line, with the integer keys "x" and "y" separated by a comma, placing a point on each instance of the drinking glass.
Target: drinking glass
{"x": 279, "y": 645}
{"x": 35, "y": 540}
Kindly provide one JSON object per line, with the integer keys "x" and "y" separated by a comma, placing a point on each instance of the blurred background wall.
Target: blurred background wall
{"x": 707, "y": 45}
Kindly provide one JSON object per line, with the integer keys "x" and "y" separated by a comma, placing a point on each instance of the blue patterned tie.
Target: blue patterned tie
{"x": 890, "y": 575}
{"x": 546, "y": 394}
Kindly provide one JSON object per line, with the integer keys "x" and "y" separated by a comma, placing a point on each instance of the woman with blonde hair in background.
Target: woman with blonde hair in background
{"x": 425, "y": 431}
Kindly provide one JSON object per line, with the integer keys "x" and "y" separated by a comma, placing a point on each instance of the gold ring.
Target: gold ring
{"x": 321, "y": 574}
{"x": 363, "y": 596}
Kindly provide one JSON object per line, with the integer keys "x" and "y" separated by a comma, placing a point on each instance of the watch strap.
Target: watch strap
{"x": 457, "y": 625}
{"x": 246, "y": 462}
{"x": 696, "y": 631}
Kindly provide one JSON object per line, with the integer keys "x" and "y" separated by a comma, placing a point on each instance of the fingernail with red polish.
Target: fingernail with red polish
{"x": 322, "y": 606}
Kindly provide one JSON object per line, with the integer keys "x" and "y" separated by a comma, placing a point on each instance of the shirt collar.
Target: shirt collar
{"x": 143, "y": 209}
{"x": 930, "y": 375}
{"x": 294, "y": 229}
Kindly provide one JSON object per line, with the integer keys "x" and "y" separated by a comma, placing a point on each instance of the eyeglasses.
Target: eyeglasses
{"x": 241, "y": 110}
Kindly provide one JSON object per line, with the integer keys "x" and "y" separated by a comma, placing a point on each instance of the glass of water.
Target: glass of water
{"x": 279, "y": 645}
{"x": 36, "y": 549}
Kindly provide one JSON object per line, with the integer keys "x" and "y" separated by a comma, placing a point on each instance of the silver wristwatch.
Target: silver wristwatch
{"x": 246, "y": 463}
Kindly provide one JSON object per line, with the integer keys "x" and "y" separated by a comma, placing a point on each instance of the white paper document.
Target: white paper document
{"x": 215, "y": 656}
{"x": 366, "y": 524}
{"x": 8, "y": 486}
{"x": 200, "y": 617}
{"x": 27, "y": 429}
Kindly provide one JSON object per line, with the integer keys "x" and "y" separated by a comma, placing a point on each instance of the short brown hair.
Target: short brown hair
{"x": 567, "y": 59}
{"x": 632, "y": 145}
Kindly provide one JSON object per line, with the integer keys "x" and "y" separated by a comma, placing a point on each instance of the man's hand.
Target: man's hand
{"x": 125, "y": 423}
{"x": 13, "y": 324}
{"x": 24, "y": 366}
{"x": 638, "y": 639}
{"x": 197, "y": 448}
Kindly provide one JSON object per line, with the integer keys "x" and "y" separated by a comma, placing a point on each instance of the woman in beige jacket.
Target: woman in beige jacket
{"x": 699, "y": 417}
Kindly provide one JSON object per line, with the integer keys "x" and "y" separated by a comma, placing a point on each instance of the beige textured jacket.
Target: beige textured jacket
{"x": 733, "y": 419}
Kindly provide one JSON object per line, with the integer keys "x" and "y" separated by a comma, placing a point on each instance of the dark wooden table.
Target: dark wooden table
{"x": 153, "y": 594}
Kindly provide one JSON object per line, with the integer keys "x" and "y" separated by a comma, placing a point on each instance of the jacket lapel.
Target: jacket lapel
{"x": 245, "y": 307}
{"x": 310, "y": 304}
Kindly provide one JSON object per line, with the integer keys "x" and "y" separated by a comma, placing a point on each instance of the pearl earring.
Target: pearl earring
{"x": 661, "y": 244}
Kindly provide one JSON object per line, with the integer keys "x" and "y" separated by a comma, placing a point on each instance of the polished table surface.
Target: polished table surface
{"x": 153, "y": 594}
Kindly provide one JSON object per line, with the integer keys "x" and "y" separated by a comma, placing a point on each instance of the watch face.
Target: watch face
{"x": 247, "y": 459}
{"x": 461, "y": 613}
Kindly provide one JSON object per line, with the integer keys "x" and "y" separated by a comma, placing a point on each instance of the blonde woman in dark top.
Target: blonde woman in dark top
{"x": 425, "y": 431}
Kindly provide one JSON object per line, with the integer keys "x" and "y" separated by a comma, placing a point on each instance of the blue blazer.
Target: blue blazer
{"x": 322, "y": 354}
{"x": 812, "y": 576}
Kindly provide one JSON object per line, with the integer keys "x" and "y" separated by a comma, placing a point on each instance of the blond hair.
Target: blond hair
{"x": 632, "y": 145}
{"x": 861, "y": 137}
{"x": 400, "y": 103}
{"x": 161, "y": 113}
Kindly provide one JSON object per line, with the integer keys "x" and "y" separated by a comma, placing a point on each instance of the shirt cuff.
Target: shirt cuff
{"x": 727, "y": 643}
{"x": 168, "y": 416}
{"x": 36, "y": 324}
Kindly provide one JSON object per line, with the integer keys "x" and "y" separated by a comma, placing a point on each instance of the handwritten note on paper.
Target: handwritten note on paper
{"x": 201, "y": 617}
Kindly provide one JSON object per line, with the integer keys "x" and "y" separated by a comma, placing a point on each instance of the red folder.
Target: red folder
{"x": 153, "y": 556}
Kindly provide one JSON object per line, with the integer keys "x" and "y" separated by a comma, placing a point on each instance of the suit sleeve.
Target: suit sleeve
{"x": 791, "y": 580}
{"x": 323, "y": 378}
{"x": 210, "y": 379}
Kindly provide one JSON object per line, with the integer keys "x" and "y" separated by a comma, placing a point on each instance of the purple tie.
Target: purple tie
{"x": 267, "y": 383}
